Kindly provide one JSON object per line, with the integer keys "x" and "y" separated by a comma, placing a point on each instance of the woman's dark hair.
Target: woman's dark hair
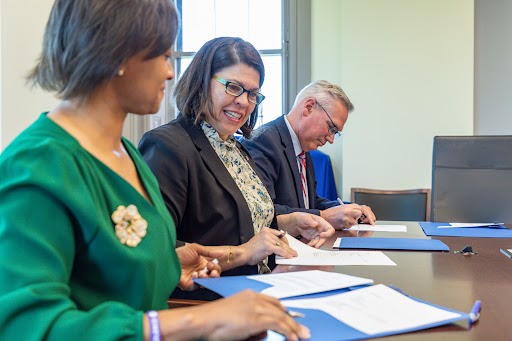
{"x": 86, "y": 41}
{"x": 192, "y": 92}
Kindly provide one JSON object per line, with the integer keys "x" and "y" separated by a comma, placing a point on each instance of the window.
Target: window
{"x": 280, "y": 31}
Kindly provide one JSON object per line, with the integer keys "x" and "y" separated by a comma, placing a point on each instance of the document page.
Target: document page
{"x": 291, "y": 284}
{"x": 375, "y": 309}
{"x": 310, "y": 256}
{"x": 378, "y": 228}
{"x": 452, "y": 225}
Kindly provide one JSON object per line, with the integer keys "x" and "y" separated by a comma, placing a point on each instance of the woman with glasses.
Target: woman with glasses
{"x": 207, "y": 178}
{"x": 87, "y": 247}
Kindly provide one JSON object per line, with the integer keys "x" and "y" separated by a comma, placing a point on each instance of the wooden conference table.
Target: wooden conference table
{"x": 445, "y": 278}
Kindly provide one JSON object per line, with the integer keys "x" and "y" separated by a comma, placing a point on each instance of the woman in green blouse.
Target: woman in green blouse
{"x": 87, "y": 244}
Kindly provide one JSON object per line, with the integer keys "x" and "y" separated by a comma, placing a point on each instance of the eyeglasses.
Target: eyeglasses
{"x": 237, "y": 90}
{"x": 333, "y": 130}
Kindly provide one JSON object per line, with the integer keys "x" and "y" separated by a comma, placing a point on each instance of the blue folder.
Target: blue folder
{"x": 393, "y": 244}
{"x": 431, "y": 229}
{"x": 323, "y": 326}
{"x": 230, "y": 285}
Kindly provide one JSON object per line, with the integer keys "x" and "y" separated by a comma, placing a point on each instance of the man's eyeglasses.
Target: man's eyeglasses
{"x": 237, "y": 90}
{"x": 333, "y": 130}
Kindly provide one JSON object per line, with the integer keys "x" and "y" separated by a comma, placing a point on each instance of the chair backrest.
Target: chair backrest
{"x": 401, "y": 205}
{"x": 472, "y": 179}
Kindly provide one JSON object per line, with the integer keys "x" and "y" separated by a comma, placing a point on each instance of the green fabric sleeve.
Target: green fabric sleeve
{"x": 36, "y": 257}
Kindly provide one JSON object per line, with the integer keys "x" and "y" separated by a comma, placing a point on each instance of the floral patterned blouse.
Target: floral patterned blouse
{"x": 255, "y": 193}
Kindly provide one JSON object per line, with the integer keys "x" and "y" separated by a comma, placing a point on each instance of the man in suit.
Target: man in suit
{"x": 281, "y": 151}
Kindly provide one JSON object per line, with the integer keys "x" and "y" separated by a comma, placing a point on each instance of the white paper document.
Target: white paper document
{"x": 375, "y": 309}
{"x": 452, "y": 225}
{"x": 310, "y": 256}
{"x": 290, "y": 284}
{"x": 378, "y": 228}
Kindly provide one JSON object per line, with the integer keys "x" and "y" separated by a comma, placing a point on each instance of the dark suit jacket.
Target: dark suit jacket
{"x": 206, "y": 204}
{"x": 271, "y": 147}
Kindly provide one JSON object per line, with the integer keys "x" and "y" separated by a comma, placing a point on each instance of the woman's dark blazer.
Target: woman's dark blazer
{"x": 206, "y": 204}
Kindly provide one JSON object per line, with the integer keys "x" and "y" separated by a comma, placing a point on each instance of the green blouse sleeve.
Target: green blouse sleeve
{"x": 37, "y": 252}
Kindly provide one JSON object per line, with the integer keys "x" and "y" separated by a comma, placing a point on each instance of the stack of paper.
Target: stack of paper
{"x": 360, "y": 311}
{"x": 281, "y": 285}
{"x": 310, "y": 256}
{"x": 482, "y": 230}
{"x": 378, "y": 228}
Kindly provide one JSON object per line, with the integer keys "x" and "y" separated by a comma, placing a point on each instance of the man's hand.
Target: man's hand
{"x": 343, "y": 216}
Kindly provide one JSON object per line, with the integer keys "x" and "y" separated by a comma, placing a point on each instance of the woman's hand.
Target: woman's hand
{"x": 248, "y": 313}
{"x": 237, "y": 317}
{"x": 266, "y": 242}
{"x": 197, "y": 261}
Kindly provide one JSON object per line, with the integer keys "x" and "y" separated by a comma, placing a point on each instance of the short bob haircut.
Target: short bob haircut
{"x": 192, "y": 92}
{"x": 86, "y": 41}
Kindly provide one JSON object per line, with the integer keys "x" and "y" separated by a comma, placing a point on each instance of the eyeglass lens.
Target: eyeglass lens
{"x": 333, "y": 129}
{"x": 236, "y": 90}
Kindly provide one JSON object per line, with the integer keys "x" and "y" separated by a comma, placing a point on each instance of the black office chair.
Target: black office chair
{"x": 401, "y": 205}
{"x": 472, "y": 179}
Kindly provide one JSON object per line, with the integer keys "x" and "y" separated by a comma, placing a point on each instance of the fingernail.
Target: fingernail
{"x": 305, "y": 333}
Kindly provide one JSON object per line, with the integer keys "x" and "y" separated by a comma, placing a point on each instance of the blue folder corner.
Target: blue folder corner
{"x": 431, "y": 229}
{"x": 230, "y": 285}
{"x": 393, "y": 244}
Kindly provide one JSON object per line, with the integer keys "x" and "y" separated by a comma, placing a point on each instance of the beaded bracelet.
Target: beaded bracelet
{"x": 154, "y": 326}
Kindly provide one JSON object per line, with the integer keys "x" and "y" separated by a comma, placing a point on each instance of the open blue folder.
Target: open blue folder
{"x": 323, "y": 326}
{"x": 431, "y": 229}
{"x": 392, "y": 244}
{"x": 281, "y": 285}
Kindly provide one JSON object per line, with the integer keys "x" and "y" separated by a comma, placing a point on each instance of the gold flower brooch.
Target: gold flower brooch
{"x": 130, "y": 226}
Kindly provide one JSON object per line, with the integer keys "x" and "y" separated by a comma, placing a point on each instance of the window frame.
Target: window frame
{"x": 295, "y": 62}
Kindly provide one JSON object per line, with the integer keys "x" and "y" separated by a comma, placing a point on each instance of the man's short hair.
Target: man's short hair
{"x": 324, "y": 92}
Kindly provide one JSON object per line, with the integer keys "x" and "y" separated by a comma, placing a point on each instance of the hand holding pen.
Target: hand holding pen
{"x": 367, "y": 216}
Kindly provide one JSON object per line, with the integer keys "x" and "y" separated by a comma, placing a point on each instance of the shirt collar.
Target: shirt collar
{"x": 295, "y": 140}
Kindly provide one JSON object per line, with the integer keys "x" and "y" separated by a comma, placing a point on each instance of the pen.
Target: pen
{"x": 282, "y": 234}
{"x": 507, "y": 252}
{"x": 205, "y": 269}
{"x": 341, "y": 202}
{"x": 293, "y": 313}
{"x": 474, "y": 315}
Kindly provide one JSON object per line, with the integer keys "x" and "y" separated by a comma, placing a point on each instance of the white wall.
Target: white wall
{"x": 22, "y": 26}
{"x": 406, "y": 64}
{"x": 408, "y": 68}
{"x": 493, "y": 67}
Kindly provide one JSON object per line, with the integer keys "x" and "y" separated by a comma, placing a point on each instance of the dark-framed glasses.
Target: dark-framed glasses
{"x": 333, "y": 130}
{"x": 237, "y": 90}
